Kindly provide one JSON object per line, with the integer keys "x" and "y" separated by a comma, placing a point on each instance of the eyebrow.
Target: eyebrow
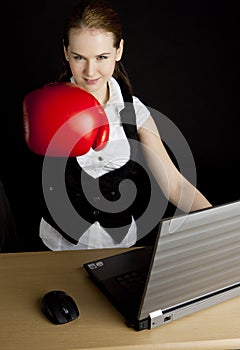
{"x": 101, "y": 54}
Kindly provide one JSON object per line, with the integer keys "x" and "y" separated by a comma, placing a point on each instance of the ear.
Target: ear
{"x": 120, "y": 50}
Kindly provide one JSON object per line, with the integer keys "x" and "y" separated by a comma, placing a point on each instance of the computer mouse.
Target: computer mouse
{"x": 59, "y": 307}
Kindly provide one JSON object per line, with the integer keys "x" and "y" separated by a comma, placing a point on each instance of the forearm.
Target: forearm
{"x": 177, "y": 189}
{"x": 187, "y": 197}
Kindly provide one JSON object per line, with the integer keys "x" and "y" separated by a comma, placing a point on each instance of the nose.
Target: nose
{"x": 90, "y": 68}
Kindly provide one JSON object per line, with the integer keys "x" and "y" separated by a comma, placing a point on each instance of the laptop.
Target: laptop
{"x": 193, "y": 264}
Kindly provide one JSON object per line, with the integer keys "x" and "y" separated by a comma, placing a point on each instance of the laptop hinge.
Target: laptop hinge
{"x": 157, "y": 318}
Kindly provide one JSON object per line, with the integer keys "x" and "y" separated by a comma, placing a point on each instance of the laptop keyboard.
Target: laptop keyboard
{"x": 132, "y": 280}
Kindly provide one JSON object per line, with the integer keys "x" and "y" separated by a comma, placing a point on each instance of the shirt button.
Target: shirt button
{"x": 95, "y": 212}
{"x": 100, "y": 158}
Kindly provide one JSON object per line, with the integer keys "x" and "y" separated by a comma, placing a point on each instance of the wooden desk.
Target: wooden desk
{"x": 26, "y": 277}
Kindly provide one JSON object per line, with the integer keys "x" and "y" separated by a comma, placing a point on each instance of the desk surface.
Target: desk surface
{"x": 26, "y": 277}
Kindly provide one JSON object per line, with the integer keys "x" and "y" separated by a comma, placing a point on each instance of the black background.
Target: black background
{"x": 182, "y": 58}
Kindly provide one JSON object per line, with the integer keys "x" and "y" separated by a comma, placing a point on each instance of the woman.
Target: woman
{"x": 93, "y": 47}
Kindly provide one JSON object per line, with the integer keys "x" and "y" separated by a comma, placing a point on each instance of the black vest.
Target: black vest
{"x": 104, "y": 201}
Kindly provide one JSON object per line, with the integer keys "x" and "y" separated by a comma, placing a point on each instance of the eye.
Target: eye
{"x": 78, "y": 57}
{"x": 102, "y": 57}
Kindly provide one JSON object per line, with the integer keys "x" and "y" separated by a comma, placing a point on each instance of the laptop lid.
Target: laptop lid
{"x": 194, "y": 264}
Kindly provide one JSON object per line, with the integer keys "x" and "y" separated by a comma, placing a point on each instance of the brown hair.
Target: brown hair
{"x": 97, "y": 14}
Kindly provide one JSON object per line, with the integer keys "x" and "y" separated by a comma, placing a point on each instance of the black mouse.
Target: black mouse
{"x": 59, "y": 307}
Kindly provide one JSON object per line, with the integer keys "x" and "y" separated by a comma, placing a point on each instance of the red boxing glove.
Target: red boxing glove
{"x": 63, "y": 120}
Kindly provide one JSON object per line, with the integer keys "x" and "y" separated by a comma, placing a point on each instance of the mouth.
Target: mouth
{"x": 91, "y": 81}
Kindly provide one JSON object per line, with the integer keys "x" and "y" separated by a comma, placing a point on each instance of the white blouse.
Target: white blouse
{"x": 115, "y": 154}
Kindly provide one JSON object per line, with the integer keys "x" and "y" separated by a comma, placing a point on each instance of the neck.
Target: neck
{"x": 103, "y": 97}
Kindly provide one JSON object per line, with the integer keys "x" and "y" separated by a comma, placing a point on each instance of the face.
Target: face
{"x": 92, "y": 56}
